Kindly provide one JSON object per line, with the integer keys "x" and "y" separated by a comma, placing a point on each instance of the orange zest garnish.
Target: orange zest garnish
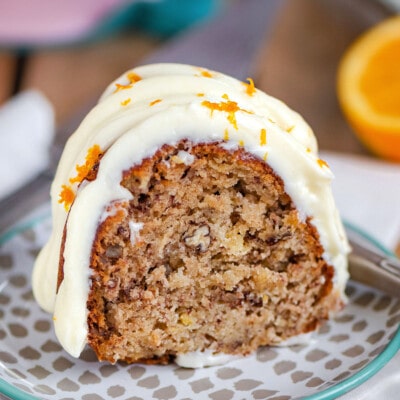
{"x": 155, "y": 102}
{"x": 226, "y": 135}
{"x": 122, "y": 87}
{"x": 265, "y": 156}
{"x": 250, "y": 88}
{"x": 125, "y": 102}
{"x": 263, "y": 137}
{"x": 132, "y": 77}
{"x": 200, "y": 94}
{"x": 92, "y": 158}
{"x": 322, "y": 163}
{"x": 241, "y": 143}
{"x": 206, "y": 74}
{"x": 67, "y": 196}
{"x": 289, "y": 130}
{"x": 228, "y": 106}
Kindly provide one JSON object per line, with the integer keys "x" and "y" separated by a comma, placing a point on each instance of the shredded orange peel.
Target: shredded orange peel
{"x": 67, "y": 194}
{"x": 155, "y": 102}
{"x": 92, "y": 157}
{"x": 263, "y": 137}
{"x": 206, "y": 73}
{"x": 226, "y": 135}
{"x": 126, "y": 102}
{"x": 290, "y": 129}
{"x": 250, "y": 88}
{"x": 228, "y": 106}
{"x": 132, "y": 77}
{"x": 322, "y": 163}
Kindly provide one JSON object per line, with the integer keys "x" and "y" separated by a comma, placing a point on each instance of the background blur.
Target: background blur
{"x": 71, "y": 50}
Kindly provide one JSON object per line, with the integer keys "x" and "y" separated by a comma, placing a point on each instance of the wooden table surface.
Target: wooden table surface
{"x": 71, "y": 77}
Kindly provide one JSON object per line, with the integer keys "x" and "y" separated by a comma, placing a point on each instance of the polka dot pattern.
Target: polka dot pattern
{"x": 32, "y": 361}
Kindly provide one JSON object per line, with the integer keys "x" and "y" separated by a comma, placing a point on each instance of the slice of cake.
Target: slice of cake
{"x": 192, "y": 219}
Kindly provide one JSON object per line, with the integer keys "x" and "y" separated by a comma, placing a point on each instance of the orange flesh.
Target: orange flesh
{"x": 380, "y": 81}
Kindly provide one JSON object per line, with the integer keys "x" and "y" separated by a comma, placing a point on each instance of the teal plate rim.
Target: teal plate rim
{"x": 328, "y": 394}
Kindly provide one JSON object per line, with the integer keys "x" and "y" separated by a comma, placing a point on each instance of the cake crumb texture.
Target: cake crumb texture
{"x": 219, "y": 259}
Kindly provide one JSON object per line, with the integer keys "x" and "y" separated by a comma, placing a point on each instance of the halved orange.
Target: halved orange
{"x": 369, "y": 88}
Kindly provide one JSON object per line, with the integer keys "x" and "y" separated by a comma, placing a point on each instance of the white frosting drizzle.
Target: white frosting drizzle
{"x": 135, "y": 228}
{"x": 207, "y": 358}
{"x": 183, "y": 157}
{"x": 164, "y": 107}
{"x": 201, "y": 359}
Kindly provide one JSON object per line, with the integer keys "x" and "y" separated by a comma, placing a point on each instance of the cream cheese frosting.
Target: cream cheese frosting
{"x": 159, "y": 104}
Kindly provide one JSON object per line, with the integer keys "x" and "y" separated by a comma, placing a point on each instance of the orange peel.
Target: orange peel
{"x": 369, "y": 88}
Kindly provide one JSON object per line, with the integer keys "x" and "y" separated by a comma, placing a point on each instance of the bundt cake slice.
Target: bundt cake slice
{"x": 192, "y": 219}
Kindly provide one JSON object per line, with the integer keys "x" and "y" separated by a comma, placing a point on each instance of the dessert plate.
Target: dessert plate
{"x": 346, "y": 352}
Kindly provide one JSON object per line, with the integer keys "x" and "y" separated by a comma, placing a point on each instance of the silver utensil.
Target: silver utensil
{"x": 372, "y": 265}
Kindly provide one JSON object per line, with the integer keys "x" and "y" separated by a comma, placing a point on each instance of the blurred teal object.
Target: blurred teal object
{"x": 26, "y": 26}
{"x": 168, "y": 17}
{"x": 157, "y": 17}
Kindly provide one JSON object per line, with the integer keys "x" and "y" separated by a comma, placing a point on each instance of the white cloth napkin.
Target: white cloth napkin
{"x": 367, "y": 193}
{"x": 26, "y": 132}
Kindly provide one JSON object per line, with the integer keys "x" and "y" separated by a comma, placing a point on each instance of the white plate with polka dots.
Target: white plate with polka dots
{"x": 347, "y": 350}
